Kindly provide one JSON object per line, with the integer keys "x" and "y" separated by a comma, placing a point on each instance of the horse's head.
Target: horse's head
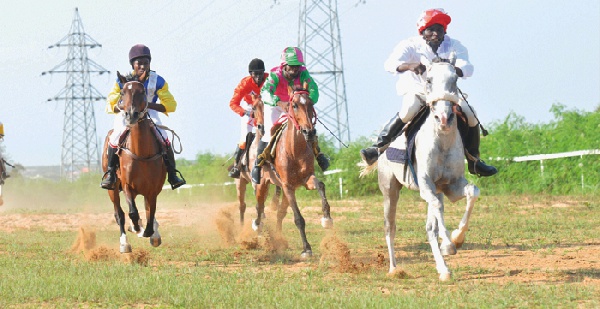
{"x": 258, "y": 109}
{"x": 441, "y": 94}
{"x": 133, "y": 101}
{"x": 302, "y": 113}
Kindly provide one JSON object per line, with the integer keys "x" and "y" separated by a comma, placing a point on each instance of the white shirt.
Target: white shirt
{"x": 412, "y": 51}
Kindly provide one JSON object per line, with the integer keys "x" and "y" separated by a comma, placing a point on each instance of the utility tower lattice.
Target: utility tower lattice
{"x": 319, "y": 39}
{"x": 80, "y": 151}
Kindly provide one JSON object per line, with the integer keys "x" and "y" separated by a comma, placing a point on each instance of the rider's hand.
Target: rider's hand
{"x": 459, "y": 71}
{"x": 248, "y": 112}
{"x": 418, "y": 68}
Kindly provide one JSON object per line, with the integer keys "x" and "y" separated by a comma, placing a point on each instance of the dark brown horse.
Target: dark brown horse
{"x": 248, "y": 161}
{"x": 141, "y": 170}
{"x": 294, "y": 166}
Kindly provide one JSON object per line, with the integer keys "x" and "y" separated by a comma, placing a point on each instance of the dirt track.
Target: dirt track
{"x": 564, "y": 263}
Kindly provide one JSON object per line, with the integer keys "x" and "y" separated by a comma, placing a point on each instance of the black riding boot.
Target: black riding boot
{"x": 391, "y": 130}
{"x": 257, "y": 169}
{"x": 321, "y": 158}
{"x": 110, "y": 177}
{"x": 172, "y": 177}
{"x": 477, "y": 167}
{"x": 235, "y": 171}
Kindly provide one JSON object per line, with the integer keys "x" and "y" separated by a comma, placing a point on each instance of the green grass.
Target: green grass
{"x": 191, "y": 269}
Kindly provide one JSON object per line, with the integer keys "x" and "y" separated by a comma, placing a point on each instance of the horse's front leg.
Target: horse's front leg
{"x": 314, "y": 183}
{"x": 290, "y": 195}
{"x": 241, "y": 195}
{"x": 262, "y": 190}
{"x": 152, "y": 224}
{"x": 281, "y": 212}
{"x": 275, "y": 200}
{"x": 471, "y": 193}
{"x": 134, "y": 215}
{"x": 435, "y": 227}
{"x": 124, "y": 246}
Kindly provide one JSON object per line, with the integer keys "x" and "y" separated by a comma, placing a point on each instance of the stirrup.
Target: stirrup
{"x": 174, "y": 180}
{"x": 106, "y": 183}
{"x": 481, "y": 169}
{"x": 234, "y": 173}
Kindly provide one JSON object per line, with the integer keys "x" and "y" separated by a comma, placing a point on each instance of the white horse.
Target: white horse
{"x": 439, "y": 169}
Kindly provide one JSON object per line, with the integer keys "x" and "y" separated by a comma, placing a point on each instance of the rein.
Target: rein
{"x": 159, "y": 154}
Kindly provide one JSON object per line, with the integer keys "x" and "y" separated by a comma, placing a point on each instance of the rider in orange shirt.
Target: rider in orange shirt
{"x": 248, "y": 87}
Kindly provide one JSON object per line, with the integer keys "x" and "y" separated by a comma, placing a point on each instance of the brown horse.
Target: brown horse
{"x": 141, "y": 170}
{"x": 249, "y": 158}
{"x": 293, "y": 166}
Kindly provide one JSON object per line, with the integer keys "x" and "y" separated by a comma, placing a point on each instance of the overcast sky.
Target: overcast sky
{"x": 527, "y": 56}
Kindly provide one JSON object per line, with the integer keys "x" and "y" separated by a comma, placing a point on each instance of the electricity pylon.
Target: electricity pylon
{"x": 319, "y": 39}
{"x": 80, "y": 152}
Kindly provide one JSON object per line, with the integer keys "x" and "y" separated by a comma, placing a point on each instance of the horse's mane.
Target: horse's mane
{"x": 131, "y": 78}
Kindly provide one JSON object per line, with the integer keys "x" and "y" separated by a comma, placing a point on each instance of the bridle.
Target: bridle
{"x": 144, "y": 111}
{"x": 292, "y": 114}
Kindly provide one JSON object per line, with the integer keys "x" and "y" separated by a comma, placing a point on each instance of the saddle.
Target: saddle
{"x": 270, "y": 151}
{"x": 407, "y": 155}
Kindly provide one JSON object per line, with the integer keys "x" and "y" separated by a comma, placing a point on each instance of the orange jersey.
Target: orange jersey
{"x": 244, "y": 90}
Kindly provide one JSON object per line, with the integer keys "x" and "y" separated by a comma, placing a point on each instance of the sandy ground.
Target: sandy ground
{"x": 564, "y": 263}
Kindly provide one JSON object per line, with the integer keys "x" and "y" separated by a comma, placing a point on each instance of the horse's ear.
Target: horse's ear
{"x": 121, "y": 78}
{"x": 290, "y": 90}
{"x": 305, "y": 85}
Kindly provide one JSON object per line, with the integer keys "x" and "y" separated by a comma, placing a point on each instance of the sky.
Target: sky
{"x": 527, "y": 56}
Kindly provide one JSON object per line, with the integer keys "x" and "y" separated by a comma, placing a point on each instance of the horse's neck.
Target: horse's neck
{"x": 439, "y": 140}
{"x": 142, "y": 139}
{"x": 294, "y": 141}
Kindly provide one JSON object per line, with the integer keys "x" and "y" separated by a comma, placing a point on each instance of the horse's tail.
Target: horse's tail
{"x": 366, "y": 169}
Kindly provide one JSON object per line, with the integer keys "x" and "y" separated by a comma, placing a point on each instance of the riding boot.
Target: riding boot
{"x": 172, "y": 177}
{"x": 235, "y": 171}
{"x": 475, "y": 164}
{"x": 390, "y": 131}
{"x": 110, "y": 177}
{"x": 321, "y": 158}
{"x": 257, "y": 168}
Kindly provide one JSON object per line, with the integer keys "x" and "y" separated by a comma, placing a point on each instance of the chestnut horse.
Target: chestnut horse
{"x": 293, "y": 166}
{"x": 247, "y": 162}
{"x": 141, "y": 169}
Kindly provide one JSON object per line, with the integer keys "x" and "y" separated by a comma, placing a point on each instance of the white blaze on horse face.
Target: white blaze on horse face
{"x": 130, "y": 86}
{"x": 302, "y": 100}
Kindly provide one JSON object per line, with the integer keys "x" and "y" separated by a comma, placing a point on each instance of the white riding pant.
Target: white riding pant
{"x": 119, "y": 127}
{"x": 245, "y": 128}
{"x": 272, "y": 113}
{"x": 412, "y": 102}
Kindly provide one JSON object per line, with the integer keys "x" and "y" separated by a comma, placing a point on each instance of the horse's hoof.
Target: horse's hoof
{"x": 449, "y": 249}
{"x": 306, "y": 254}
{"x": 457, "y": 238}
{"x": 155, "y": 241}
{"x": 256, "y": 227}
{"x": 327, "y": 223}
{"x": 147, "y": 233}
{"x": 125, "y": 248}
{"x": 445, "y": 276}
